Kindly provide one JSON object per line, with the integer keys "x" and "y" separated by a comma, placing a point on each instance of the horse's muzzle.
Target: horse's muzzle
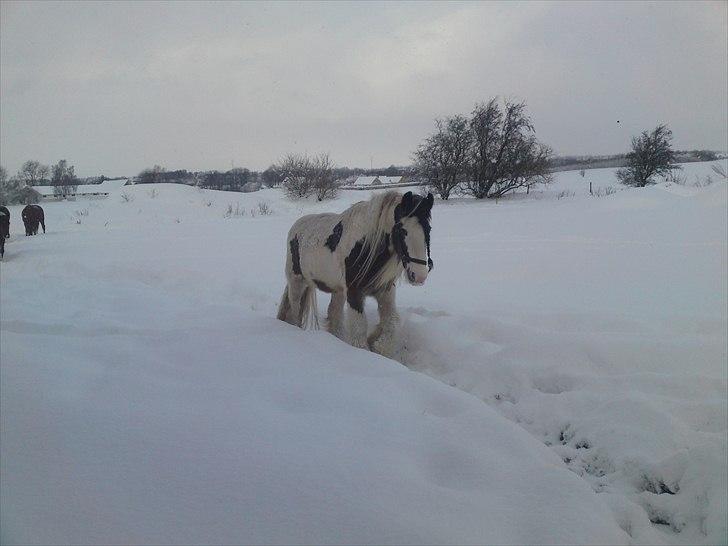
{"x": 414, "y": 278}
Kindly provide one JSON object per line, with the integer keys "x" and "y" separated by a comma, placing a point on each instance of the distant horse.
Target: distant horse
{"x": 4, "y": 228}
{"x": 5, "y": 220}
{"x": 32, "y": 216}
{"x": 361, "y": 252}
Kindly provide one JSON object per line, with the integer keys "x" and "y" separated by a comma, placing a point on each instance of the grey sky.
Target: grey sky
{"x": 116, "y": 87}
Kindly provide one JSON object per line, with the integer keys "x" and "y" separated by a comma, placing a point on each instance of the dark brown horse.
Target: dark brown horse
{"x": 32, "y": 216}
{"x": 4, "y": 228}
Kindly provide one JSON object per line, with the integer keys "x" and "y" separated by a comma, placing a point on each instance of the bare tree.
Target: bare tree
{"x": 63, "y": 179}
{"x": 9, "y": 188}
{"x": 302, "y": 176}
{"x": 271, "y": 177}
{"x": 505, "y": 154}
{"x": 33, "y": 173}
{"x": 443, "y": 158}
{"x": 295, "y": 170}
{"x": 322, "y": 177}
{"x": 651, "y": 156}
{"x": 238, "y": 177}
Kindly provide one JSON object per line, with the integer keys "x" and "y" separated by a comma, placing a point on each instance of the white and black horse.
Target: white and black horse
{"x": 361, "y": 252}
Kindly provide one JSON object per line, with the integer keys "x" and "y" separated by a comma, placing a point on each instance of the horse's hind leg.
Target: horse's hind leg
{"x": 284, "y": 307}
{"x": 297, "y": 292}
{"x": 335, "y": 314}
{"x": 382, "y": 339}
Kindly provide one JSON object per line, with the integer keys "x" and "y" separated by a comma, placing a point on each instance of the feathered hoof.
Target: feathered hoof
{"x": 359, "y": 343}
{"x": 381, "y": 348}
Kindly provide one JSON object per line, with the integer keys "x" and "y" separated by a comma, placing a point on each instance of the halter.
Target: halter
{"x": 418, "y": 261}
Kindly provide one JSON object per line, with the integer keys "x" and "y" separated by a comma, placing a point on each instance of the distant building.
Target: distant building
{"x": 82, "y": 190}
{"x": 366, "y": 181}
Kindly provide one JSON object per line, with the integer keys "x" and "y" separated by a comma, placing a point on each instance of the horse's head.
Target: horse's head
{"x": 411, "y": 236}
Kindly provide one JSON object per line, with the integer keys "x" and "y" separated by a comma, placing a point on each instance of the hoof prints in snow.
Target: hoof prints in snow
{"x": 516, "y": 375}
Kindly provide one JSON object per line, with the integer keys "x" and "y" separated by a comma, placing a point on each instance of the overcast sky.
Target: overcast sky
{"x": 117, "y": 87}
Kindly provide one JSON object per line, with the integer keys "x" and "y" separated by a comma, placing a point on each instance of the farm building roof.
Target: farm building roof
{"x": 377, "y": 180}
{"x": 84, "y": 189}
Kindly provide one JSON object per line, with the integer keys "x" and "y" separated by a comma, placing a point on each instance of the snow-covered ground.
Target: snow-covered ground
{"x": 564, "y": 376}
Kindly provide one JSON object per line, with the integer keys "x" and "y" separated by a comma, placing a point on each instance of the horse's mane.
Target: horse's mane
{"x": 377, "y": 218}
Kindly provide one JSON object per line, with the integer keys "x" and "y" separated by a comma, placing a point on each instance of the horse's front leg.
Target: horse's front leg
{"x": 335, "y": 313}
{"x": 382, "y": 339}
{"x": 356, "y": 318}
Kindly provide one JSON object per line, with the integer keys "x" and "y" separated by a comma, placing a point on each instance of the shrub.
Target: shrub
{"x": 651, "y": 156}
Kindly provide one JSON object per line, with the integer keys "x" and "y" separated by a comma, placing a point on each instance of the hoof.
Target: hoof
{"x": 359, "y": 343}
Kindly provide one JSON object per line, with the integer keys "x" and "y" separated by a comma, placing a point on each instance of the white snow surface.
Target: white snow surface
{"x": 564, "y": 376}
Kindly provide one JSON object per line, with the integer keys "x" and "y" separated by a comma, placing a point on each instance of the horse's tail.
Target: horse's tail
{"x": 308, "y": 317}
{"x": 285, "y": 305}
{"x": 309, "y": 310}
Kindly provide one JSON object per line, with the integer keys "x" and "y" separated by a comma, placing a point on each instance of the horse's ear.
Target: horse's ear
{"x": 430, "y": 200}
{"x": 407, "y": 201}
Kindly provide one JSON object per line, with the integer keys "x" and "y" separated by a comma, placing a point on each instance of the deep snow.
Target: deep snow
{"x": 575, "y": 348}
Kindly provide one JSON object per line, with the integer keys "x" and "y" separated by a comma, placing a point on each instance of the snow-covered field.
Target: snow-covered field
{"x": 564, "y": 376}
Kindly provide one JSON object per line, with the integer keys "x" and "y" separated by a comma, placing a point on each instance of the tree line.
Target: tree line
{"x": 238, "y": 178}
{"x": 487, "y": 154}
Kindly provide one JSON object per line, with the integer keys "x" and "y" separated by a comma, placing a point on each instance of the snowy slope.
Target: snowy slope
{"x": 575, "y": 348}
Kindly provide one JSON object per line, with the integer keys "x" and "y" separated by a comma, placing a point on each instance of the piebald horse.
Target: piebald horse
{"x": 361, "y": 252}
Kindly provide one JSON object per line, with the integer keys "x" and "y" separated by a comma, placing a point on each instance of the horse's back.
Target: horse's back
{"x": 311, "y": 224}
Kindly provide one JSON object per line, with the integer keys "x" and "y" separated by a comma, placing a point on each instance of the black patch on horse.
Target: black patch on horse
{"x": 295, "y": 256}
{"x": 322, "y": 286}
{"x": 355, "y": 298}
{"x": 333, "y": 241}
{"x": 354, "y": 263}
{"x": 399, "y": 235}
